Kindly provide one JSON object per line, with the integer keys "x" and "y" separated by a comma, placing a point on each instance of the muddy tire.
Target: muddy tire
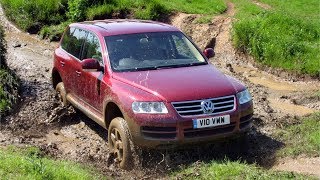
{"x": 62, "y": 95}
{"x": 120, "y": 143}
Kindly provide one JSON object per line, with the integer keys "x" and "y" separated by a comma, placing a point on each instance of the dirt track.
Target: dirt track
{"x": 66, "y": 134}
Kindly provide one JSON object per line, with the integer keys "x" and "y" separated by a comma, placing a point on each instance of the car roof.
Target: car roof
{"x": 111, "y": 27}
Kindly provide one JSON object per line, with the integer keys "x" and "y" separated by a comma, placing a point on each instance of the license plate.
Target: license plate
{"x": 211, "y": 121}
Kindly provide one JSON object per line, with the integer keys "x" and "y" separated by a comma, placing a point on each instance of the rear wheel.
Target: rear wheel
{"x": 120, "y": 143}
{"x": 62, "y": 95}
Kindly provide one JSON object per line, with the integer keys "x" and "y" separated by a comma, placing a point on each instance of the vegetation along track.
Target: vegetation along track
{"x": 62, "y": 133}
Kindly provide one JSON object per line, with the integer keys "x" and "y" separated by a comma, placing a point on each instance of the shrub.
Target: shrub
{"x": 31, "y": 15}
{"x": 100, "y": 12}
{"x": 153, "y": 10}
{"x": 53, "y": 32}
{"x": 3, "y": 49}
{"x": 77, "y": 9}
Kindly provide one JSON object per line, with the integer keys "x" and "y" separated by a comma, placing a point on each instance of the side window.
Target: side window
{"x": 73, "y": 40}
{"x": 92, "y": 48}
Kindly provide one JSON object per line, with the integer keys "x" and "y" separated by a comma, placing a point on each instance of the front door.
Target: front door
{"x": 91, "y": 84}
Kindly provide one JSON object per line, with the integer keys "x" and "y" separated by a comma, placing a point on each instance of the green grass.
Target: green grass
{"x": 197, "y": 6}
{"x": 27, "y": 164}
{"x": 53, "y": 32}
{"x": 204, "y": 19}
{"x": 231, "y": 170}
{"x": 31, "y": 15}
{"x": 49, "y": 16}
{"x": 287, "y": 36}
{"x": 303, "y": 138}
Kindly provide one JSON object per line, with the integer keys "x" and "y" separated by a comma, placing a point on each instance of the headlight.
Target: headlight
{"x": 244, "y": 96}
{"x": 149, "y": 107}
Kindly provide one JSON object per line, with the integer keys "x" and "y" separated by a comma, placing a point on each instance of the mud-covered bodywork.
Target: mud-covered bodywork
{"x": 182, "y": 85}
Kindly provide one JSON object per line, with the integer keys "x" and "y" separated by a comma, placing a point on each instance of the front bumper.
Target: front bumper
{"x": 171, "y": 130}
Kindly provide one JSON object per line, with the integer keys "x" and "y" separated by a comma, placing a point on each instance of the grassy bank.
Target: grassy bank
{"x": 232, "y": 170}
{"x": 28, "y": 164}
{"x": 302, "y": 138}
{"x": 8, "y": 81}
{"x": 285, "y": 36}
{"x": 50, "y": 16}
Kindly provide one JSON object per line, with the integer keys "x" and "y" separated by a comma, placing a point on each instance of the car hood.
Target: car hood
{"x": 182, "y": 84}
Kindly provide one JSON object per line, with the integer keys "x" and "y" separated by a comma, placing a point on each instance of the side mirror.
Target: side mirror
{"x": 209, "y": 53}
{"x": 90, "y": 64}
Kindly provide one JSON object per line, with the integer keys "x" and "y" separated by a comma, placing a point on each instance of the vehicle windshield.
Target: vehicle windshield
{"x": 148, "y": 51}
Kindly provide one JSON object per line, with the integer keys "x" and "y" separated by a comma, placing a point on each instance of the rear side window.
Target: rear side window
{"x": 73, "y": 40}
{"x": 92, "y": 48}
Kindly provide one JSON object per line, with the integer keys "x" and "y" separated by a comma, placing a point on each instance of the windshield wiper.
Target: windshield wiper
{"x": 180, "y": 65}
{"x": 161, "y": 67}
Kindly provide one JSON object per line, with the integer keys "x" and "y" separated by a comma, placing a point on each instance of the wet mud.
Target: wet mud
{"x": 66, "y": 133}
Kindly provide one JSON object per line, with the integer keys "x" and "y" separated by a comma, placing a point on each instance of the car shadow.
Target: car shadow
{"x": 256, "y": 148}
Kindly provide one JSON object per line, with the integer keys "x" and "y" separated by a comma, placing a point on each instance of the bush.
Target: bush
{"x": 53, "y": 32}
{"x": 153, "y": 10}
{"x": 100, "y": 12}
{"x": 8, "y": 80}
{"x": 279, "y": 40}
{"x": 77, "y": 9}
{"x": 3, "y": 49}
{"x": 31, "y": 15}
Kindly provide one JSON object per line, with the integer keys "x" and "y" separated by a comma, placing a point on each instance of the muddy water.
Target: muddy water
{"x": 278, "y": 88}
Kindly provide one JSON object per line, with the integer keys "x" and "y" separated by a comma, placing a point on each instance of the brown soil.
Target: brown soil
{"x": 300, "y": 165}
{"x": 64, "y": 133}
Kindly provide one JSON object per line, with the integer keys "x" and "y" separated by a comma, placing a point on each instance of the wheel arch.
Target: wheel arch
{"x": 55, "y": 77}
{"x": 111, "y": 111}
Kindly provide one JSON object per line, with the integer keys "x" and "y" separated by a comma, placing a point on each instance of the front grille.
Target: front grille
{"x": 159, "y": 132}
{"x": 192, "y": 108}
{"x": 192, "y": 133}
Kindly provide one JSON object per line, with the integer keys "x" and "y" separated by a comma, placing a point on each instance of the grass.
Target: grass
{"x": 231, "y": 170}
{"x": 53, "y": 32}
{"x": 50, "y": 16}
{"x": 204, "y": 19}
{"x": 197, "y": 6}
{"x": 31, "y": 15}
{"x": 287, "y": 36}
{"x": 27, "y": 164}
{"x": 303, "y": 138}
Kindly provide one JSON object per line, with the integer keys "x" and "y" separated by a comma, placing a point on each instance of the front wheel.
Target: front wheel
{"x": 62, "y": 95}
{"x": 120, "y": 143}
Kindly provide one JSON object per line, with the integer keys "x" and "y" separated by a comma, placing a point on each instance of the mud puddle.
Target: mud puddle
{"x": 280, "y": 90}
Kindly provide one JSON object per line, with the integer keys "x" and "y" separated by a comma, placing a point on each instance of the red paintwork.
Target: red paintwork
{"x": 181, "y": 84}
{"x": 96, "y": 89}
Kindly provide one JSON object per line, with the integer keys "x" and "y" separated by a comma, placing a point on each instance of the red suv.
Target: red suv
{"x": 148, "y": 84}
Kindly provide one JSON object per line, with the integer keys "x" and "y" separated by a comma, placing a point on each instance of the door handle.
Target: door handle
{"x": 78, "y": 73}
{"x": 62, "y": 63}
